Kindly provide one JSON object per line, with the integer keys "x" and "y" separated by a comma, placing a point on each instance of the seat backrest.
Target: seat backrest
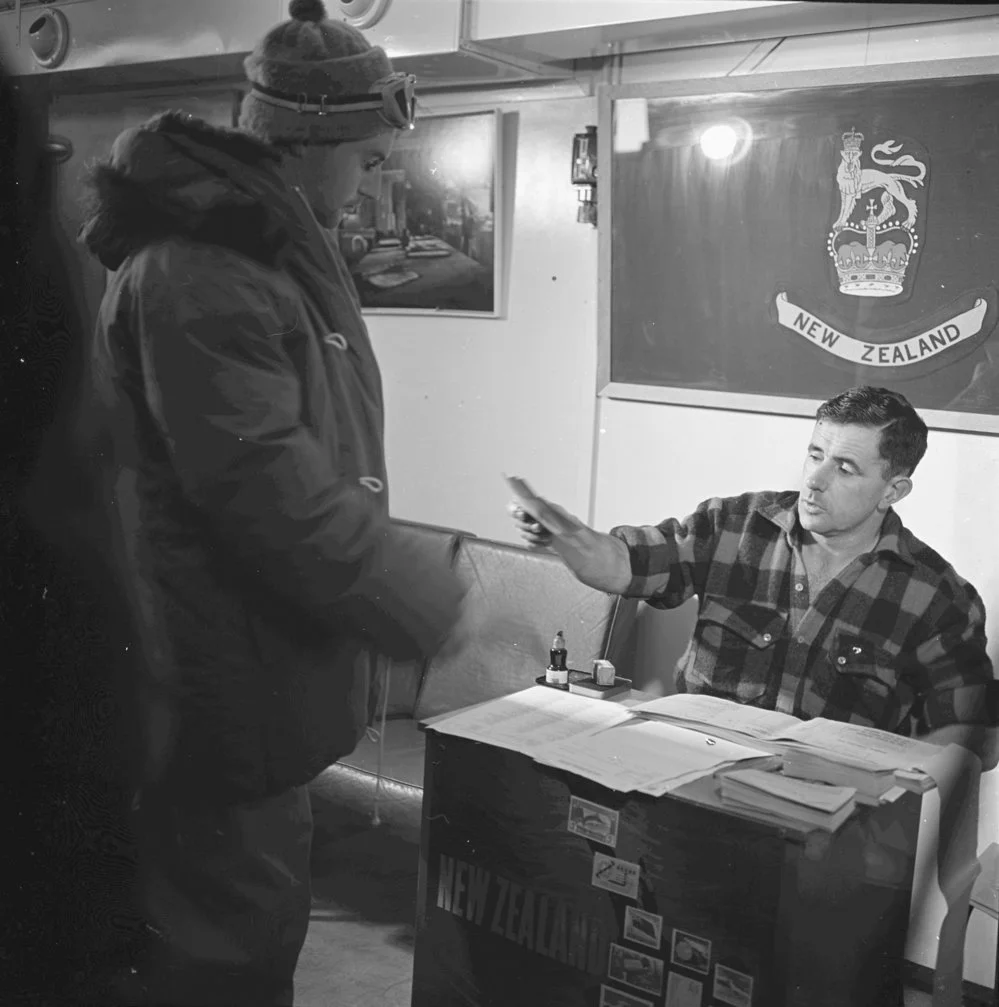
{"x": 517, "y": 600}
{"x": 437, "y": 544}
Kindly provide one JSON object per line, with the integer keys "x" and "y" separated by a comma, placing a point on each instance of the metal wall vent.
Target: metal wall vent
{"x": 48, "y": 38}
{"x": 363, "y": 13}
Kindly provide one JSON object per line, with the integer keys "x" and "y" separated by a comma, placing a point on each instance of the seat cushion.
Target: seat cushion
{"x": 517, "y": 601}
{"x": 345, "y": 795}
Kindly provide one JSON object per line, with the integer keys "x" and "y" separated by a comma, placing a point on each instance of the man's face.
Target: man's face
{"x": 843, "y": 488}
{"x": 337, "y": 175}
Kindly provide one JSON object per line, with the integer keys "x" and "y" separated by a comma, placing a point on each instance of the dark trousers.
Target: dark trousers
{"x": 227, "y": 893}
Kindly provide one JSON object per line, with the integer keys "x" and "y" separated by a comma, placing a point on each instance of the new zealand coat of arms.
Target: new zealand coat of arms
{"x": 872, "y": 253}
{"x": 873, "y": 244}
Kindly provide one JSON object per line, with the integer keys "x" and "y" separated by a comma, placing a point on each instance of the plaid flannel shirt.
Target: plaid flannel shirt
{"x": 895, "y": 641}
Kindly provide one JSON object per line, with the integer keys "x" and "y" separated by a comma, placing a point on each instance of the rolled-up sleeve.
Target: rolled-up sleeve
{"x": 669, "y": 561}
{"x": 953, "y": 669}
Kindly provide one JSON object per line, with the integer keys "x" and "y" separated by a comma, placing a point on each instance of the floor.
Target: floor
{"x": 359, "y": 949}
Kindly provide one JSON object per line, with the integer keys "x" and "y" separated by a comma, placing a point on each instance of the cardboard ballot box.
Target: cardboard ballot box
{"x": 539, "y": 887}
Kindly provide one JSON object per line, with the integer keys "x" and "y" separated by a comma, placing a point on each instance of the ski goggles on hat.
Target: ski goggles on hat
{"x": 393, "y": 98}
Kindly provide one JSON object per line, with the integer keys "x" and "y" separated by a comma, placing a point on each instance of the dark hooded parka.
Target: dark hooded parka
{"x": 235, "y": 374}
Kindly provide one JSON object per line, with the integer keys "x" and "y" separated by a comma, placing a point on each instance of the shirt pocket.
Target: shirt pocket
{"x": 858, "y": 680}
{"x": 733, "y": 649}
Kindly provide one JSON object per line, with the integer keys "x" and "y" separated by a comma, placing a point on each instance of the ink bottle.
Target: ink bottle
{"x": 557, "y": 673}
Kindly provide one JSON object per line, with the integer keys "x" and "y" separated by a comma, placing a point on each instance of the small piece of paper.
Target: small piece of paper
{"x": 682, "y": 991}
{"x": 641, "y": 927}
{"x": 613, "y": 875}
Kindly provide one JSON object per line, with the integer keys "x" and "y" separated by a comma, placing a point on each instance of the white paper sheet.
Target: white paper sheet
{"x": 650, "y": 756}
{"x": 713, "y": 711}
{"x": 819, "y": 796}
{"x": 533, "y": 717}
{"x": 858, "y": 745}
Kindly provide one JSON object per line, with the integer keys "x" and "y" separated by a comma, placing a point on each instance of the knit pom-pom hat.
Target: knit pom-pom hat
{"x": 311, "y": 58}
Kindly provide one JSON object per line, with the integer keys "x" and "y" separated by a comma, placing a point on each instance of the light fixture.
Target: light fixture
{"x": 584, "y": 174}
{"x": 727, "y": 142}
{"x": 718, "y": 141}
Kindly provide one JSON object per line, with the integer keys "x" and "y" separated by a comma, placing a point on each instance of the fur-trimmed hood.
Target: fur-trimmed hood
{"x": 178, "y": 176}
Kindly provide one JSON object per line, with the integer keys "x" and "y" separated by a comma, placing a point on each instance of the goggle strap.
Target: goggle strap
{"x": 402, "y": 98}
{"x": 311, "y": 103}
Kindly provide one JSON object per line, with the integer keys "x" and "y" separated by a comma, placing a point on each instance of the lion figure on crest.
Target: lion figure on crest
{"x": 854, "y": 181}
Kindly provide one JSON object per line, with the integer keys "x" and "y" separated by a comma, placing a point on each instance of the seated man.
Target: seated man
{"x": 817, "y": 603}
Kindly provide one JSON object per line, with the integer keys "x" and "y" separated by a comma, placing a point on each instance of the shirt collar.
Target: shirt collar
{"x": 783, "y": 512}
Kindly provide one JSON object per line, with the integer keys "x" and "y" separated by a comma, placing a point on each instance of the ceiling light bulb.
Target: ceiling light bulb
{"x": 718, "y": 142}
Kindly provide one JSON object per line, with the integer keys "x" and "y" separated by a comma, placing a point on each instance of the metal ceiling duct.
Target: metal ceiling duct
{"x": 566, "y": 33}
{"x": 92, "y": 44}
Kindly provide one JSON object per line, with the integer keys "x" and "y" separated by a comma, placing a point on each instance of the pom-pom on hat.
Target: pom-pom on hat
{"x": 311, "y": 58}
{"x": 307, "y": 10}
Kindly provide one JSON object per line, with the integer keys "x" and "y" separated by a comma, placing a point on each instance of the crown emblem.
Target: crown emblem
{"x": 853, "y": 140}
{"x": 871, "y": 260}
{"x": 871, "y": 254}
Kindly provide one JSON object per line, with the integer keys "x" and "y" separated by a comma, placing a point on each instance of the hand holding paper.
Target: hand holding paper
{"x": 599, "y": 561}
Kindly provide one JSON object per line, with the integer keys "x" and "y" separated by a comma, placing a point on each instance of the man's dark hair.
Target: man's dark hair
{"x": 903, "y": 433}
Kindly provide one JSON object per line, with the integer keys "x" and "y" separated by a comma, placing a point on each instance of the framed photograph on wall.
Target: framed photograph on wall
{"x": 771, "y": 240}
{"x": 430, "y": 242}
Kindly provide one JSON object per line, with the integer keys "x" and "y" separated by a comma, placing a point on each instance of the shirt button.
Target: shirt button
{"x": 841, "y": 660}
{"x": 767, "y": 637}
{"x": 801, "y": 639}
{"x": 799, "y": 586}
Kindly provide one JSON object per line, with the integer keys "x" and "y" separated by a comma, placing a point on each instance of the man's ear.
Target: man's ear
{"x": 897, "y": 489}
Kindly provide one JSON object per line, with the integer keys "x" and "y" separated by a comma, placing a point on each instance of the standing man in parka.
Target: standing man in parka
{"x": 235, "y": 373}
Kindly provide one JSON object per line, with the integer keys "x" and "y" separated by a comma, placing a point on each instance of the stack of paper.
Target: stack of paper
{"x": 654, "y": 758}
{"x": 788, "y": 800}
{"x": 658, "y": 746}
{"x": 875, "y": 763}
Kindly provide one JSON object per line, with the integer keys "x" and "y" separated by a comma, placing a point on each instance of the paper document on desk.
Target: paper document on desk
{"x": 714, "y": 715}
{"x": 531, "y": 718}
{"x": 858, "y": 746}
{"x": 818, "y": 796}
{"x": 645, "y": 755}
